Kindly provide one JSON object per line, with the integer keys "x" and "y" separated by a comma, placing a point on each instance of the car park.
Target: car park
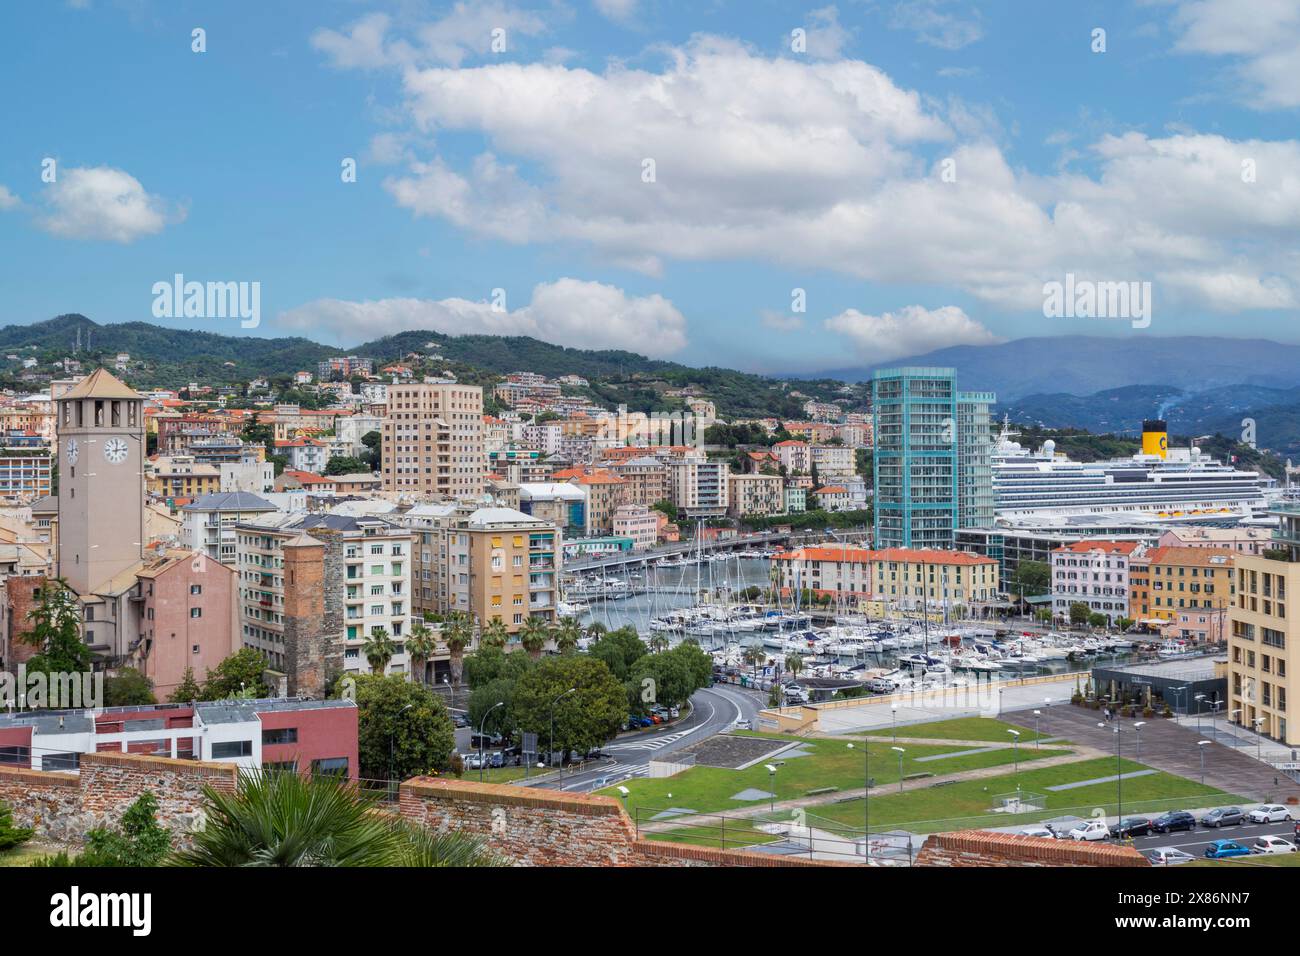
{"x": 1224, "y": 817}
{"x": 1269, "y": 813}
{"x": 1272, "y": 844}
{"x": 1090, "y": 831}
{"x": 1225, "y": 849}
{"x": 1167, "y": 856}
{"x": 1131, "y": 827}
{"x": 1173, "y": 821}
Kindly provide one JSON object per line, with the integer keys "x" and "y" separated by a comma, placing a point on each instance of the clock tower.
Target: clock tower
{"x": 100, "y": 424}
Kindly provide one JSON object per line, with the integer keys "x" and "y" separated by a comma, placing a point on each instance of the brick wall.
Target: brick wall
{"x": 534, "y": 827}
{"x": 985, "y": 848}
{"x": 63, "y": 806}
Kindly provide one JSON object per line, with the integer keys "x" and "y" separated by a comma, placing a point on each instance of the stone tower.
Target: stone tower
{"x": 313, "y": 612}
{"x": 100, "y": 424}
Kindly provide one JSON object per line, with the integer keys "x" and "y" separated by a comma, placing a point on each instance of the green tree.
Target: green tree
{"x": 619, "y": 649}
{"x": 567, "y": 633}
{"x": 584, "y": 719}
{"x": 1079, "y": 612}
{"x": 346, "y": 465}
{"x": 420, "y": 738}
{"x": 56, "y": 633}
{"x": 11, "y": 835}
{"x": 794, "y": 664}
{"x": 187, "y": 690}
{"x": 753, "y": 655}
{"x": 534, "y": 635}
{"x": 138, "y": 840}
{"x": 288, "y": 819}
{"x": 1097, "y": 619}
{"x": 458, "y": 632}
{"x": 420, "y": 647}
{"x": 378, "y": 649}
{"x": 128, "y": 687}
{"x": 494, "y": 634}
{"x": 483, "y": 700}
{"x": 1031, "y": 578}
{"x": 668, "y": 508}
{"x": 372, "y": 441}
{"x": 242, "y": 674}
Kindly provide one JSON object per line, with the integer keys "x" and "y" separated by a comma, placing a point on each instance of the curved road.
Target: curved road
{"x": 714, "y": 709}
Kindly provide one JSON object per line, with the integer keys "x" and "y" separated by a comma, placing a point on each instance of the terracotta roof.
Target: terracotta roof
{"x": 1109, "y": 547}
{"x": 1199, "y": 557}
{"x": 101, "y": 383}
{"x": 906, "y": 555}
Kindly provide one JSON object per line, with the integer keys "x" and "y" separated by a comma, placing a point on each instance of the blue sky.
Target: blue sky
{"x": 819, "y": 169}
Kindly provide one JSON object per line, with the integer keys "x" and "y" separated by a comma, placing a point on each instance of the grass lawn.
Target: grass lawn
{"x": 980, "y": 729}
{"x": 1261, "y": 859}
{"x": 738, "y": 834}
{"x": 830, "y": 764}
{"x": 25, "y": 854}
{"x": 966, "y": 805}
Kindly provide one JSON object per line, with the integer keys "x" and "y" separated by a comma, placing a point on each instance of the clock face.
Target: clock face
{"x": 72, "y": 451}
{"x": 115, "y": 450}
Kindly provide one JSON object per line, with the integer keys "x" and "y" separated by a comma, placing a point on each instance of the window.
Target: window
{"x": 61, "y": 761}
{"x": 15, "y": 756}
{"x": 196, "y": 589}
{"x": 280, "y": 735}
{"x": 196, "y": 612}
{"x": 232, "y": 748}
{"x": 330, "y": 765}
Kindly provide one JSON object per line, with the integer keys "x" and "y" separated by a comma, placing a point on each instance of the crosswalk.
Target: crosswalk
{"x": 655, "y": 743}
{"x": 616, "y": 773}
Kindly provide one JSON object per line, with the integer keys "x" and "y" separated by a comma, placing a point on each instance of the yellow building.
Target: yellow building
{"x": 1165, "y": 581}
{"x": 182, "y": 477}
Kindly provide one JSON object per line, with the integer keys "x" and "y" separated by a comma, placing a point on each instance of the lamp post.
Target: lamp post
{"x": 1179, "y": 690}
{"x": 1258, "y": 738}
{"x": 900, "y": 751}
{"x": 482, "y": 724}
{"x": 392, "y": 735}
{"x": 550, "y": 739}
{"x": 893, "y": 710}
{"x": 1201, "y": 745}
{"x": 1037, "y": 745}
{"x": 1119, "y": 775}
{"x": 1015, "y": 741}
{"x": 866, "y": 797}
{"x": 1199, "y": 707}
{"x": 1137, "y": 729}
{"x": 771, "y": 783}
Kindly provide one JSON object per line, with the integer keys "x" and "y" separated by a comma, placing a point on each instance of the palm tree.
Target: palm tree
{"x": 657, "y": 643}
{"x": 794, "y": 664}
{"x": 754, "y": 655}
{"x": 290, "y": 819}
{"x": 458, "y": 632}
{"x": 421, "y": 646}
{"x": 567, "y": 633}
{"x": 378, "y": 649}
{"x": 494, "y": 634}
{"x": 596, "y": 630}
{"x": 534, "y": 635}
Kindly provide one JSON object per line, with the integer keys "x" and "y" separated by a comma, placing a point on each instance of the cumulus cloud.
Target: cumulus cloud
{"x": 617, "y": 10}
{"x": 466, "y": 30}
{"x": 826, "y": 37}
{"x": 568, "y": 311}
{"x": 912, "y": 330}
{"x": 781, "y": 321}
{"x": 1264, "y": 42}
{"x": 101, "y": 202}
{"x": 8, "y": 200}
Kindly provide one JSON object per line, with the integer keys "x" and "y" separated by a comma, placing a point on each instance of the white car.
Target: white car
{"x": 1168, "y": 856}
{"x": 1269, "y": 813}
{"x": 1043, "y": 832}
{"x": 1092, "y": 830}
{"x": 1272, "y": 844}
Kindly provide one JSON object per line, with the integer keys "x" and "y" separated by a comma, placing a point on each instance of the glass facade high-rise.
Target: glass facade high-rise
{"x": 931, "y": 459}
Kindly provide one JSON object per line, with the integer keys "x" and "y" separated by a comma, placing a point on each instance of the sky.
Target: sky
{"x": 762, "y": 185}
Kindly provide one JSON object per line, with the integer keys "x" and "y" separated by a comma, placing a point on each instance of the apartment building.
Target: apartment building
{"x": 645, "y": 479}
{"x": 1166, "y": 581}
{"x": 1096, "y": 573}
{"x": 699, "y": 486}
{"x": 24, "y": 476}
{"x": 373, "y": 586}
{"x": 605, "y": 493}
{"x": 487, "y": 562}
{"x": 755, "y": 494}
{"x": 181, "y": 476}
{"x": 639, "y": 523}
{"x": 433, "y": 439}
{"x": 304, "y": 454}
{"x": 908, "y": 578}
{"x": 208, "y": 522}
{"x": 832, "y": 461}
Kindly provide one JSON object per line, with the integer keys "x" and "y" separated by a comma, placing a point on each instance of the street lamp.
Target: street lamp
{"x": 893, "y": 709}
{"x": 1137, "y": 728}
{"x": 1199, "y": 707}
{"x": 866, "y": 797}
{"x": 550, "y": 739}
{"x": 392, "y": 734}
{"x": 771, "y": 783}
{"x": 1201, "y": 745}
{"x": 1179, "y": 690}
{"x": 1037, "y": 745}
{"x": 1015, "y": 740}
{"x": 900, "y": 751}
{"x": 1258, "y": 738}
{"x": 482, "y": 724}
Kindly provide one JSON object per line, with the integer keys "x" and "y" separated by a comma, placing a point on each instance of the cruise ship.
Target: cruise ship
{"x": 1177, "y": 484}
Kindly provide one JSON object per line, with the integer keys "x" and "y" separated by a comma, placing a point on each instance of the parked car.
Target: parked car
{"x": 1091, "y": 830}
{"x": 1167, "y": 856}
{"x": 742, "y": 724}
{"x": 1224, "y": 849}
{"x": 1173, "y": 821}
{"x": 474, "y": 761}
{"x": 1045, "y": 832}
{"x": 604, "y": 781}
{"x": 1131, "y": 827}
{"x": 1269, "y": 813}
{"x": 1272, "y": 844}
{"x": 459, "y": 720}
{"x": 1223, "y": 817}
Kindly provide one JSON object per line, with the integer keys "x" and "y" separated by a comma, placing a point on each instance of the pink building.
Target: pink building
{"x": 1242, "y": 540}
{"x": 638, "y": 523}
{"x": 188, "y": 618}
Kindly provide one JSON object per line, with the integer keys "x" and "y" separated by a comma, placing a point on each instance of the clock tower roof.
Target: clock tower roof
{"x": 101, "y": 384}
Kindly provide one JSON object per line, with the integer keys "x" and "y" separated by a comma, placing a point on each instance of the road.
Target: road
{"x": 1195, "y": 841}
{"x": 714, "y": 709}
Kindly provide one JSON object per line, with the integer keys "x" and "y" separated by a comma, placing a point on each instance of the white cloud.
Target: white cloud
{"x": 568, "y": 311}
{"x": 1264, "y": 37}
{"x": 617, "y": 10}
{"x": 8, "y": 200}
{"x": 826, "y": 37}
{"x": 781, "y": 322}
{"x": 101, "y": 202}
{"x": 466, "y": 30}
{"x": 910, "y": 331}
{"x": 936, "y": 24}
